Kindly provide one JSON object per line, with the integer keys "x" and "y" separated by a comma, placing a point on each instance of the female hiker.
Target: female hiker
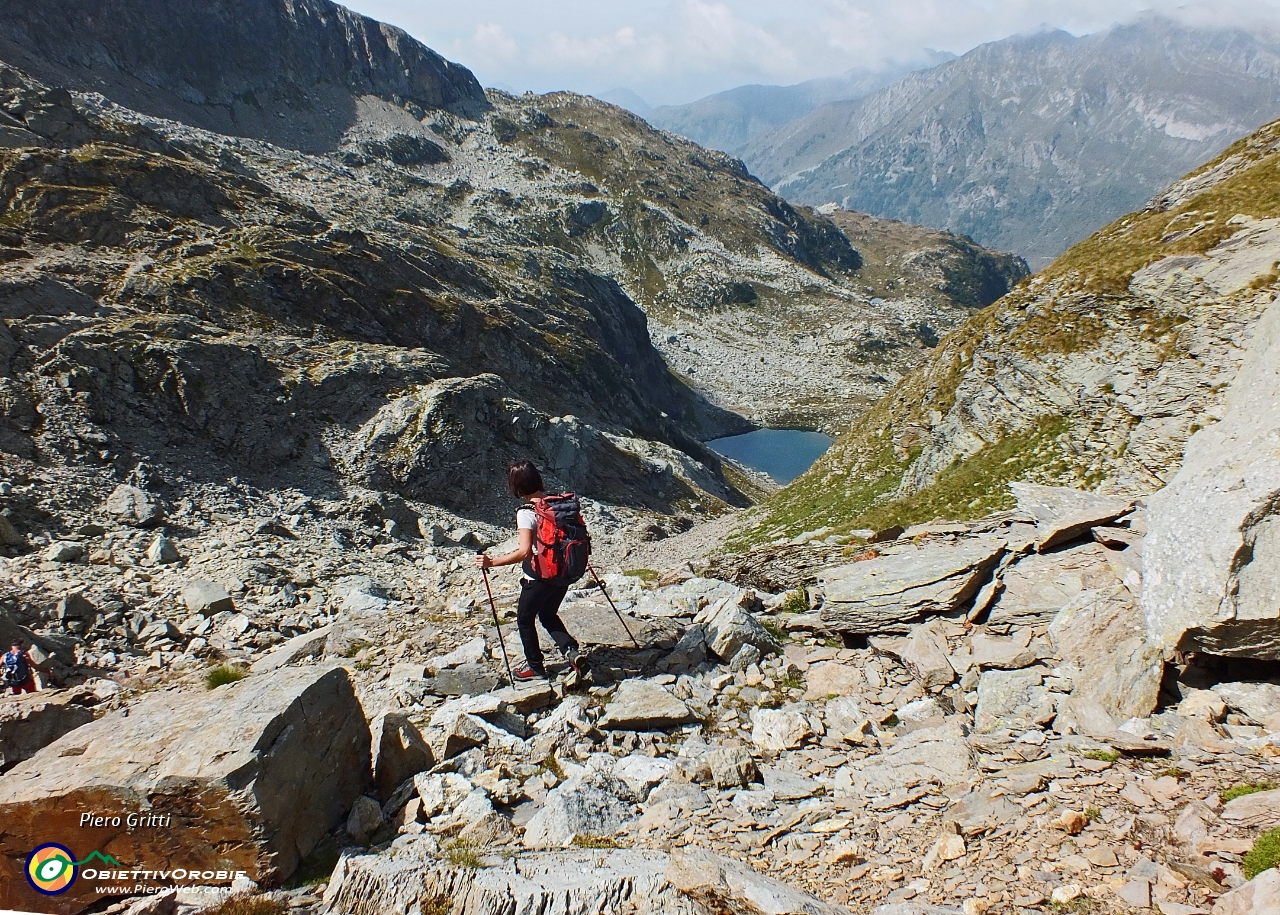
{"x": 540, "y": 598}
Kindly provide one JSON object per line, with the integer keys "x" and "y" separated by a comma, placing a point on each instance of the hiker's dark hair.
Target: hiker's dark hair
{"x": 523, "y": 479}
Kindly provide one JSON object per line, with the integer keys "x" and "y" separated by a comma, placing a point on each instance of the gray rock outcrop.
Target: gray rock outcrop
{"x": 729, "y": 627}
{"x": 1115, "y": 670}
{"x": 134, "y": 506}
{"x": 1062, "y": 514}
{"x": 236, "y": 65}
{"x": 398, "y": 750}
{"x": 592, "y": 804}
{"x": 575, "y": 882}
{"x": 1212, "y": 555}
{"x": 1260, "y": 896}
{"x": 891, "y": 593}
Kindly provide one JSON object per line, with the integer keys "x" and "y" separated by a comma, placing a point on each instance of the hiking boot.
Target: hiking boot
{"x": 525, "y": 674}
{"x": 575, "y": 659}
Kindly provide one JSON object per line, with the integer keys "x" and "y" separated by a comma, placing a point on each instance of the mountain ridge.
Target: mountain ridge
{"x": 730, "y": 120}
{"x": 1031, "y": 143}
{"x": 288, "y": 73}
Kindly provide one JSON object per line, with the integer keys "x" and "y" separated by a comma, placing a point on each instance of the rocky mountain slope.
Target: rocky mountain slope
{"x": 246, "y": 391}
{"x": 730, "y": 120}
{"x": 747, "y": 298}
{"x": 1032, "y": 143}
{"x": 1093, "y": 373}
{"x": 289, "y": 73}
{"x": 409, "y": 286}
{"x": 969, "y": 719}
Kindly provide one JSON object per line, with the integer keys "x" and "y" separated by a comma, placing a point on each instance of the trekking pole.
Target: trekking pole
{"x": 498, "y": 625}
{"x": 611, "y": 604}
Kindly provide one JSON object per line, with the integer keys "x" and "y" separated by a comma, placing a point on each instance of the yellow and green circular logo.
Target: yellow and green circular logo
{"x": 51, "y": 869}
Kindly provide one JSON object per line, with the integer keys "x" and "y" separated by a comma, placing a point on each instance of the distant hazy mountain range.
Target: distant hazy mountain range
{"x": 730, "y": 120}
{"x": 1027, "y": 144}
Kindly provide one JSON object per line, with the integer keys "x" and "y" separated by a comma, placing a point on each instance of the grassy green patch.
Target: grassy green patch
{"x": 1081, "y": 905}
{"x": 596, "y": 842}
{"x": 357, "y": 646}
{"x": 1101, "y": 755}
{"x": 648, "y": 576}
{"x": 792, "y": 682}
{"x": 223, "y": 674}
{"x": 825, "y": 496}
{"x": 976, "y": 486}
{"x": 1092, "y": 814}
{"x": 969, "y": 488}
{"x": 552, "y": 765}
{"x": 1264, "y": 855}
{"x": 1241, "y": 790}
{"x": 776, "y": 630}
{"x": 796, "y": 601}
{"x": 462, "y": 854}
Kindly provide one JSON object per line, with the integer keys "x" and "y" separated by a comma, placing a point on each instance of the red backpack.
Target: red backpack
{"x": 563, "y": 543}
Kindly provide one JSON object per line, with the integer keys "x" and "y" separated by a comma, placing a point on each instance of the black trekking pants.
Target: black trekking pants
{"x": 541, "y": 600}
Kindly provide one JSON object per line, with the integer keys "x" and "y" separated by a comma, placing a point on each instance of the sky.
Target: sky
{"x": 675, "y": 51}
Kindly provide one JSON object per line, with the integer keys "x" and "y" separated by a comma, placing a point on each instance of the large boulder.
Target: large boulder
{"x": 926, "y": 656}
{"x": 207, "y": 598}
{"x": 399, "y": 752}
{"x": 1212, "y": 555}
{"x": 31, "y": 722}
{"x": 1115, "y": 671}
{"x": 938, "y": 755}
{"x": 1013, "y": 700}
{"x": 891, "y": 593}
{"x": 248, "y": 776}
{"x": 787, "y": 728}
{"x": 724, "y": 885}
{"x": 411, "y": 874}
{"x": 591, "y": 804}
{"x": 134, "y": 506}
{"x": 1260, "y": 896}
{"x": 729, "y": 627}
{"x": 1038, "y": 586}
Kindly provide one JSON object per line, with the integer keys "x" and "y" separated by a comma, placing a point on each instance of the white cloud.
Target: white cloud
{"x": 677, "y": 50}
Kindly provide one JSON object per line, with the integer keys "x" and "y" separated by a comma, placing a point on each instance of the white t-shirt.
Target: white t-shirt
{"x": 527, "y": 520}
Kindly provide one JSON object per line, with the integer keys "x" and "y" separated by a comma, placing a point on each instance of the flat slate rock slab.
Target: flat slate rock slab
{"x": 1063, "y": 514}
{"x": 569, "y": 882}
{"x": 1038, "y": 586}
{"x": 891, "y": 593}
{"x": 641, "y": 705}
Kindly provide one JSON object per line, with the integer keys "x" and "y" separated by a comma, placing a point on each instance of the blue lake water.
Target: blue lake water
{"x": 783, "y": 454}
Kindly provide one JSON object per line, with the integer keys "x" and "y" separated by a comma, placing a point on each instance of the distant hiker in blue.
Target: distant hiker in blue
{"x": 19, "y": 669}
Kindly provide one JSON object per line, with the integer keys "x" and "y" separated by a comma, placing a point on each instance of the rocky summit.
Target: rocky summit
{"x": 280, "y": 305}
